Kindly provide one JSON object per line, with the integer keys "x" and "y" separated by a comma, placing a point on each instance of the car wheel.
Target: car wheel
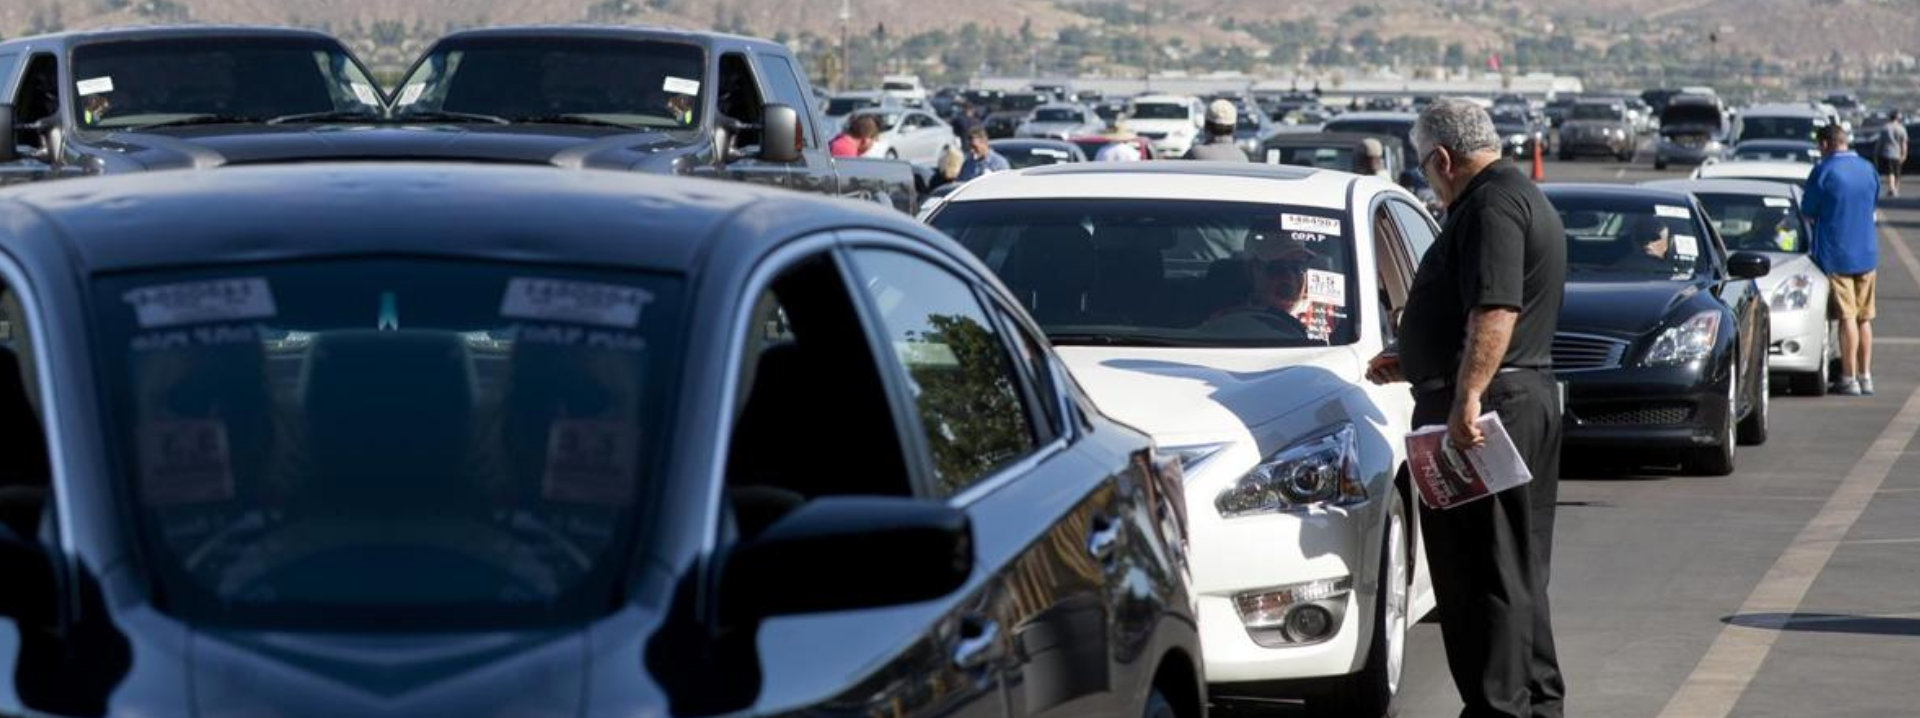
{"x": 1659, "y": 163}
{"x": 892, "y": 155}
{"x": 1374, "y": 691}
{"x": 1158, "y": 706}
{"x": 1753, "y": 429}
{"x": 1566, "y": 156}
{"x": 1718, "y": 460}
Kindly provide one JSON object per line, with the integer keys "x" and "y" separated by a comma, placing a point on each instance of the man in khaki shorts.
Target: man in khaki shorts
{"x": 1839, "y": 197}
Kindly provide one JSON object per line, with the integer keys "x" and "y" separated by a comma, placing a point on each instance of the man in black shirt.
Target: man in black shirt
{"x": 1477, "y": 334}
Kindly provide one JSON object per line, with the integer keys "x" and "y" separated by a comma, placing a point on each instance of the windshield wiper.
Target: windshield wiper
{"x": 572, "y": 120}
{"x": 445, "y": 116}
{"x": 1111, "y": 340}
{"x": 362, "y": 113}
{"x": 208, "y": 119}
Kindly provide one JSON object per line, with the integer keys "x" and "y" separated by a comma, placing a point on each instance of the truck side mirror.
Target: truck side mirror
{"x": 779, "y": 134}
{"x": 8, "y": 150}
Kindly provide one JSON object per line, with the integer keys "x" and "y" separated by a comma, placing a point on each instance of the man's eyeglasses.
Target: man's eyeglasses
{"x": 1424, "y": 159}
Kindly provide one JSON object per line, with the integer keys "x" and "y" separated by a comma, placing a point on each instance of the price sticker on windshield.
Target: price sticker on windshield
{"x": 557, "y": 300}
{"x": 1780, "y": 202}
{"x": 591, "y": 461}
{"x": 1326, "y": 287}
{"x": 365, "y": 94}
{"x": 1309, "y": 223}
{"x": 411, "y": 94}
{"x": 185, "y": 461}
{"x": 1671, "y": 212}
{"x": 681, "y": 85}
{"x": 1686, "y": 246}
{"x": 94, "y": 86}
{"x": 221, "y": 300}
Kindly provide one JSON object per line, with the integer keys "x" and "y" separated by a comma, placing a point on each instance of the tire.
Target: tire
{"x": 892, "y": 155}
{"x": 1659, "y": 163}
{"x": 1718, "y": 460}
{"x": 1753, "y": 429}
{"x": 1566, "y": 156}
{"x": 1374, "y": 692}
{"x": 1158, "y": 706}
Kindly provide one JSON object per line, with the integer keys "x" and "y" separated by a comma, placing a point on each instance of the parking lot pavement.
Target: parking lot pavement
{"x": 1654, "y": 571}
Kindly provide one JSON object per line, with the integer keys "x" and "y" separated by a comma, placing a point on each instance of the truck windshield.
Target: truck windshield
{"x": 1159, "y": 111}
{"x": 1776, "y": 128}
{"x": 208, "y": 79}
{"x": 617, "y": 82}
{"x": 1595, "y": 112}
{"x": 390, "y": 444}
{"x": 1690, "y": 116}
{"x": 1056, "y": 114}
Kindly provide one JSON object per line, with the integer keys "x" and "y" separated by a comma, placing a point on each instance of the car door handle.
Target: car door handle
{"x": 1103, "y": 539}
{"x": 979, "y": 643}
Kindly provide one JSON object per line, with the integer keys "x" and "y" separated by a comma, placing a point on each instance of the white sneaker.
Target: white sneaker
{"x": 1847, "y": 387}
{"x": 1866, "y": 385}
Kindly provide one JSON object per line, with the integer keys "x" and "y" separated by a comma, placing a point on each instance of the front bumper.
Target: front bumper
{"x": 1248, "y": 554}
{"x": 1665, "y": 407}
{"x": 1799, "y": 341}
{"x": 1685, "y": 154}
{"x": 1171, "y": 146}
{"x": 1594, "y": 145}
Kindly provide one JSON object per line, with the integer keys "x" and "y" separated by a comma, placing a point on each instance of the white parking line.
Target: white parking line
{"x": 1723, "y": 674}
{"x": 1905, "y": 254}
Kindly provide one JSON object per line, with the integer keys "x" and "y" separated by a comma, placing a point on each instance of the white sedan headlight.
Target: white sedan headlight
{"x": 1795, "y": 293}
{"x": 1686, "y": 342}
{"x": 1321, "y": 469}
{"x": 1517, "y": 139}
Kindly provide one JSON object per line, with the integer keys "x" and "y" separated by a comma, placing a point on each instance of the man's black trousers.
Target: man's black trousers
{"x": 1490, "y": 560}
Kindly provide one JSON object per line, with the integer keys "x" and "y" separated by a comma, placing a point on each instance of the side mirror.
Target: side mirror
{"x": 1748, "y": 265}
{"x": 8, "y": 150}
{"x": 780, "y": 134}
{"x": 848, "y": 553}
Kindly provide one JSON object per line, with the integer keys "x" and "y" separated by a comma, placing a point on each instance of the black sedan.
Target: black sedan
{"x": 1663, "y": 334}
{"x": 417, "y": 440}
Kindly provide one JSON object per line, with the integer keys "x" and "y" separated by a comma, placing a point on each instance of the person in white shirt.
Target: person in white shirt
{"x": 1120, "y": 145}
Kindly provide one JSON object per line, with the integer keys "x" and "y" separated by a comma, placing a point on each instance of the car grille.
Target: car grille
{"x": 1581, "y": 352}
{"x": 1694, "y": 141}
{"x": 1152, "y": 135}
{"x": 1650, "y": 415}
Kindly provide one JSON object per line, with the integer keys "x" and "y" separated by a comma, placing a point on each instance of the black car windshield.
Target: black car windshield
{"x": 847, "y": 105}
{"x": 1633, "y": 238}
{"x": 1776, "y": 128}
{"x": 1402, "y": 130}
{"x": 1168, "y": 272}
{"x": 1594, "y": 112}
{"x": 633, "y": 83}
{"x": 1756, "y": 223}
{"x": 131, "y": 84}
{"x": 1024, "y": 156}
{"x": 1327, "y": 158}
{"x": 1021, "y": 103}
{"x": 1777, "y": 153}
{"x": 1057, "y": 114}
{"x": 1159, "y": 111}
{"x": 1690, "y": 115}
{"x": 391, "y": 444}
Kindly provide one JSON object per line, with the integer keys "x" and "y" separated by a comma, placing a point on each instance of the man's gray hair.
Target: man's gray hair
{"x": 1460, "y": 126}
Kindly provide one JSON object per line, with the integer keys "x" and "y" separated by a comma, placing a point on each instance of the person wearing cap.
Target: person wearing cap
{"x": 1373, "y": 160}
{"x": 1218, "y": 145}
{"x": 1277, "y": 267}
{"x": 1120, "y": 144}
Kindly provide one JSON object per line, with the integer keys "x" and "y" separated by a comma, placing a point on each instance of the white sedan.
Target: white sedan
{"x": 1764, "y": 216}
{"x": 912, "y": 135}
{"x": 1794, "y": 173}
{"x": 1229, "y": 311}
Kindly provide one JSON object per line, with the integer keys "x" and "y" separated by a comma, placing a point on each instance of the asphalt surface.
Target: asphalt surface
{"x": 1791, "y": 588}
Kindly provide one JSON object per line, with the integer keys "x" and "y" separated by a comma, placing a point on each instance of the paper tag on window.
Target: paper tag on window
{"x": 222, "y": 300}
{"x": 1776, "y": 202}
{"x": 591, "y": 461}
{"x": 365, "y": 94}
{"x": 1686, "y": 246}
{"x": 185, "y": 461}
{"x": 607, "y": 305}
{"x": 1309, "y": 223}
{"x": 411, "y": 94}
{"x": 95, "y": 86}
{"x": 1326, "y": 287}
{"x": 1671, "y": 212}
{"x": 681, "y": 85}
{"x": 1273, "y": 157}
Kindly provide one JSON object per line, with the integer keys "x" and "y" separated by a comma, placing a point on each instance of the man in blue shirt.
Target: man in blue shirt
{"x": 982, "y": 160}
{"x": 1839, "y": 199}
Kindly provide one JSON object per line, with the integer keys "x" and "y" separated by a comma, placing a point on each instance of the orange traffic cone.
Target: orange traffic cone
{"x": 1539, "y": 167}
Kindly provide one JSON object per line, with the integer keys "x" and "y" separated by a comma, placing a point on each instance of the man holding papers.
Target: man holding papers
{"x": 1476, "y": 338}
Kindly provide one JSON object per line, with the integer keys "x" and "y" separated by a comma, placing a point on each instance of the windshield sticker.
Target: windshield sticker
{"x": 1273, "y": 157}
{"x": 95, "y": 86}
{"x": 1671, "y": 212}
{"x": 411, "y": 94}
{"x": 1309, "y": 223}
{"x": 569, "y": 336}
{"x": 1776, "y": 202}
{"x": 681, "y": 85}
{"x": 591, "y": 461}
{"x": 606, "y": 305}
{"x": 222, "y": 300}
{"x": 185, "y": 461}
{"x": 1326, "y": 287}
{"x": 1044, "y": 152}
{"x": 1685, "y": 246}
{"x": 365, "y": 94}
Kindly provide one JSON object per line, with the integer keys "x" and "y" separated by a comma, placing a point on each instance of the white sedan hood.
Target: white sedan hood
{"x": 1203, "y": 395}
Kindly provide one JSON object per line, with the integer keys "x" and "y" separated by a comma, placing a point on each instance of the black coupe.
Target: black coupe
{"x": 1663, "y": 334}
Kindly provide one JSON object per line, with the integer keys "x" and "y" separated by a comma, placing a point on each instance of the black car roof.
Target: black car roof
{"x": 535, "y": 214}
{"x": 1596, "y": 190}
{"x": 168, "y": 32}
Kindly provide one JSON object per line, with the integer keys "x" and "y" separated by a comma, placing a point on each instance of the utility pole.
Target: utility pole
{"x": 846, "y": 48}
